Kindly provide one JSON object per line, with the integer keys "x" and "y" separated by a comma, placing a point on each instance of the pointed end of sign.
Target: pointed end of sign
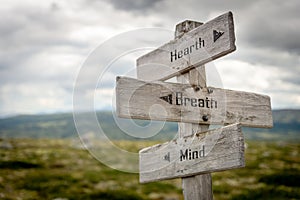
{"x": 142, "y": 180}
{"x": 271, "y": 123}
{"x": 231, "y": 31}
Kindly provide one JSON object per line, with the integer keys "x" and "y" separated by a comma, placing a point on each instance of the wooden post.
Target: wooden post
{"x": 200, "y": 186}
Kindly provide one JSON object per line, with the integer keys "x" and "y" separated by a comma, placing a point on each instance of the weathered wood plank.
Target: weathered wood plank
{"x": 184, "y": 103}
{"x": 201, "y": 45}
{"x": 215, "y": 150}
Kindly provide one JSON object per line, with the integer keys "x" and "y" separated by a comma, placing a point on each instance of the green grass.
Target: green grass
{"x": 49, "y": 169}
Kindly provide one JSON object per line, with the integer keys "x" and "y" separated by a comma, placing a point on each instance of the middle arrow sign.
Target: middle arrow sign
{"x": 184, "y": 103}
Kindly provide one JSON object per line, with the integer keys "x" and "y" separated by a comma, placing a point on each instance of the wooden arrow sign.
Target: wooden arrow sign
{"x": 216, "y": 150}
{"x": 196, "y": 47}
{"x": 184, "y": 103}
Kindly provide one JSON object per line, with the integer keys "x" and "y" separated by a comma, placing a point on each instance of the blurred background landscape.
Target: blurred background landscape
{"x": 61, "y": 126}
{"x": 46, "y": 47}
{"x": 42, "y": 158}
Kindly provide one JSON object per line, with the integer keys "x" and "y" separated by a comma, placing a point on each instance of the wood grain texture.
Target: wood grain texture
{"x": 159, "y": 65}
{"x": 141, "y": 100}
{"x": 218, "y": 150}
{"x": 198, "y": 187}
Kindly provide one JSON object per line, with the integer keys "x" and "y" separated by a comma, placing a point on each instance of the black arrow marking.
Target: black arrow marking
{"x": 167, "y": 157}
{"x": 217, "y": 34}
{"x": 167, "y": 98}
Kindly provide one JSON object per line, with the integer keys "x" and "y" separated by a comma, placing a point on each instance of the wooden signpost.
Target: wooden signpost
{"x": 196, "y": 152}
{"x": 182, "y": 103}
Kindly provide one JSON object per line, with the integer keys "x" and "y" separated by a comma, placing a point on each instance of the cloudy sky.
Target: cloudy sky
{"x": 45, "y": 44}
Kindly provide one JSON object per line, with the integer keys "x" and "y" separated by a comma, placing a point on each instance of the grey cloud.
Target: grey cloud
{"x": 265, "y": 56}
{"x": 292, "y": 79}
{"x": 267, "y": 34}
{"x": 272, "y": 25}
{"x": 134, "y": 5}
{"x": 25, "y": 32}
{"x": 36, "y": 28}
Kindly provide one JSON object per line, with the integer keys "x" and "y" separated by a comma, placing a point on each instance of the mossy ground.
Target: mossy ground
{"x": 53, "y": 169}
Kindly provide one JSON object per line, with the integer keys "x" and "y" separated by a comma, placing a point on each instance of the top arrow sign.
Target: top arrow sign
{"x": 197, "y": 47}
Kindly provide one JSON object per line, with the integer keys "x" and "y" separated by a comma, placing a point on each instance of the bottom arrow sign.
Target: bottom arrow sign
{"x": 215, "y": 150}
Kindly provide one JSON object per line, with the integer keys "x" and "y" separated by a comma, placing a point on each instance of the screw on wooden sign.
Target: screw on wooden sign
{"x": 196, "y": 47}
{"x": 181, "y": 103}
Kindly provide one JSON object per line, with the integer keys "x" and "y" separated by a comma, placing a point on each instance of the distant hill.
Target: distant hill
{"x": 63, "y": 126}
{"x": 286, "y": 127}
